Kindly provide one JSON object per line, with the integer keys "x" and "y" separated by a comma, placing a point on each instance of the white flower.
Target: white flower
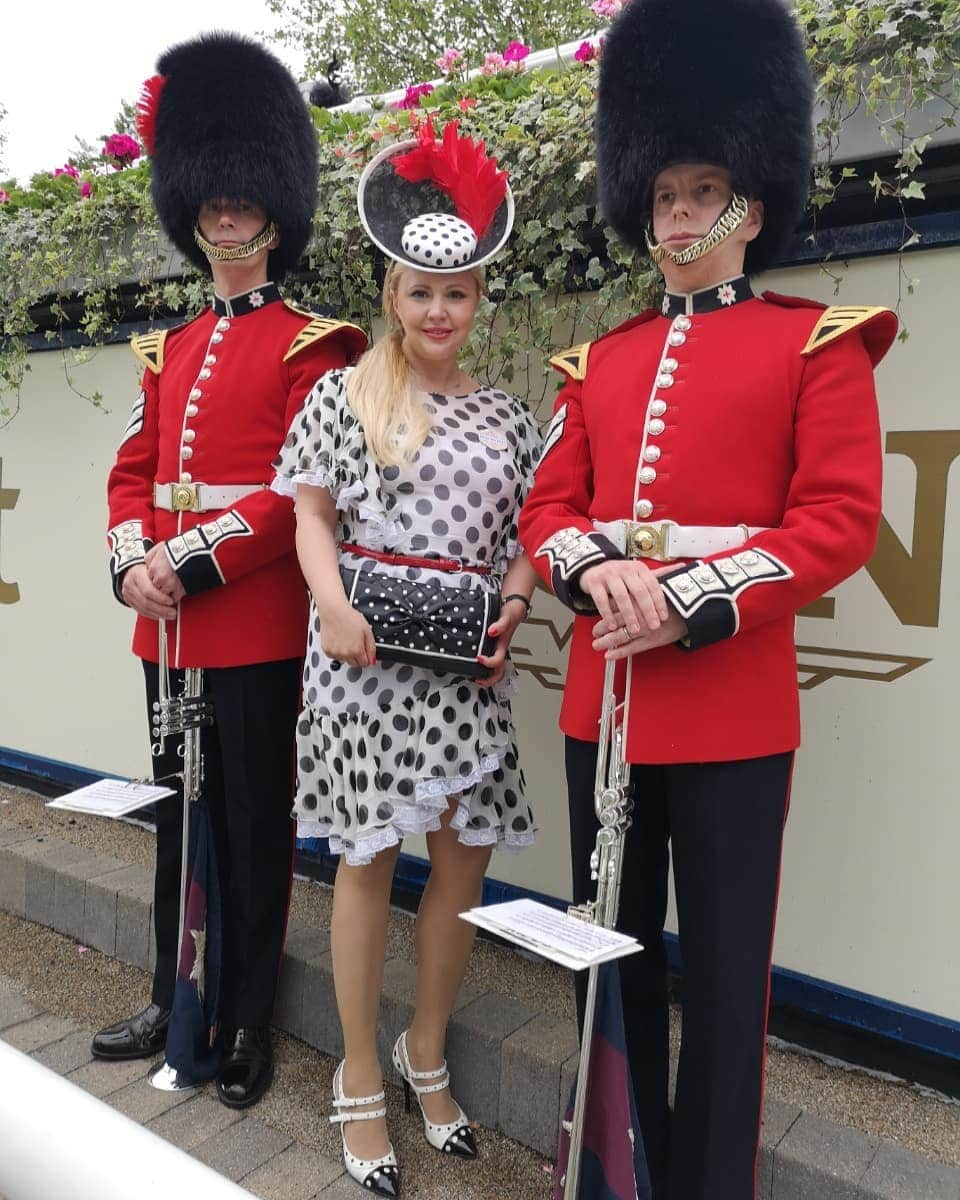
{"x": 256, "y": 299}
{"x": 726, "y": 293}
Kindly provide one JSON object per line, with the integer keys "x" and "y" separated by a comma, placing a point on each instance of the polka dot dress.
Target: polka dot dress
{"x": 382, "y": 749}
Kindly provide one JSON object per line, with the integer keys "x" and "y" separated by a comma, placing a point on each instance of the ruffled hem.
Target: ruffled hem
{"x": 363, "y": 851}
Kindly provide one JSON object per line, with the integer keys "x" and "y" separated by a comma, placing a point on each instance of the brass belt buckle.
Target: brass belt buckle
{"x": 185, "y": 497}
{"x": 646, "y": 541}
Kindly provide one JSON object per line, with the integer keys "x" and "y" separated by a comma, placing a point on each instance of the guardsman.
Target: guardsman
{"x": 712, "y": 466}
{"x": 197, "y": 537}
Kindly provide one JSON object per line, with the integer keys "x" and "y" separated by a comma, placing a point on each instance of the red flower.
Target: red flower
{"x": 121, "y": 150}
{"x": 413, "y": 95}
{"x": 467, "y": 103}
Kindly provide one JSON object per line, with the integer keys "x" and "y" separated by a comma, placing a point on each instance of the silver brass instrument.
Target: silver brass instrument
{"x": 614, "y": 808}
{"x": 186, "y": 714}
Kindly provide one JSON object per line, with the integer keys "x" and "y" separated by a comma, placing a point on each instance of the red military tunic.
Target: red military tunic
{"x": 217, "y": 398}
{"x": 726, "y": 409}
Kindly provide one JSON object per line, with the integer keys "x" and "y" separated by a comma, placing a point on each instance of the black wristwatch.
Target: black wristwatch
{"x": 523, "y": 600}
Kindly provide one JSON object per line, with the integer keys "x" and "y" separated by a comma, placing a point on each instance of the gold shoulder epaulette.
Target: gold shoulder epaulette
{"x": 317, "y": 329}
{"x": 837, "y": 321}
{"x": 573, "y": 362}
{"x": 148, "y": 347}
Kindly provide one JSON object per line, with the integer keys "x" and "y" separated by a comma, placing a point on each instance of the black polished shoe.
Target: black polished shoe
{"x": 141, "y": 1036}
{"x": 247, "y": 1067}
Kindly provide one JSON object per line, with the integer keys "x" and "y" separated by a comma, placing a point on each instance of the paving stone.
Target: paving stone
{"x": 342, "y": 1188}
{"x": 190, "y": 1124}
{"x": 15, "y": 863}
{"x": 778, "y": 1118}
{"x": 102, "y": 1078}
{"x": 396, "y": 1006}
{"x": 41, "y": 881}
{"x": 141, "y": 1102}
{"x": 898, "y": 1174}
{"x": 69, "y": 889}
{"x": 241, "y": 1148}
{"x": 14, "y": 1006}
{"x": 297, "y": 1173}
{"x": 303, "y": 943}
{"x": 37, "y": 1032}
{"x": 320, "y": 1023}
{"x": 66, "y": 1055}
{"x": 819, "y": 1159}
{"x": 531, "y": 1064}
{"x": 100, "y": 906}
{"x": 15, "y": 834}
{"x": 134, "y": 917}
{"x": 568, "y": 1073}
{"x": 473, "y": 1051}
{"x": 13, "y": 881}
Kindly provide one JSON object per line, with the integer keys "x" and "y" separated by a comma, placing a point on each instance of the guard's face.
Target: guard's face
{"x": 228, "y": 222}
{"x": 436, "y": 311}
{"x": 687, "y": 200}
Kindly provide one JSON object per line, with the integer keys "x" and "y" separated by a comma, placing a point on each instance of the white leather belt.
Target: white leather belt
{"x": 201, "y": 497}
{"x": 666, "y": 540}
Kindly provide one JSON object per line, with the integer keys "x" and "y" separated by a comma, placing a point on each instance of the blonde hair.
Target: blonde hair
{"x": 394, "y": 420}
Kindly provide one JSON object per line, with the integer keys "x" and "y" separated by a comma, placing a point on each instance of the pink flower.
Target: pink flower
{"x": 606, "y": 8}
{"x": 413, "y": 95}
{"x": 449, "y": 60}
{"x": 515, "y": 52}
{"x": 86, "y": 190}
{"x": 585, "y": 52}
{"x": 4, "y": 197}
{"x": 121, "y": 150}
{"x": 467, "y": 103}
{"x": 66, "y": 169}
{"x": 493, "y": 63}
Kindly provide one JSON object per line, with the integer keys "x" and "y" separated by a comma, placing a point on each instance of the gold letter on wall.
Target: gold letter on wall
{"x": 9, "y": 592}
{"x": 910, "y": 582}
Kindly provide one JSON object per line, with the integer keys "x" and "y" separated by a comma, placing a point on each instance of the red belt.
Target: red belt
{"x": 411, "y": 560}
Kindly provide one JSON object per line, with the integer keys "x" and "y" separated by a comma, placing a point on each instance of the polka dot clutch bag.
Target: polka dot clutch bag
{"x": 424, "y": 623}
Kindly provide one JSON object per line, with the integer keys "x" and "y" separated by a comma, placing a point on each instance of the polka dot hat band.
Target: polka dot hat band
{"x": 436, "y": 204}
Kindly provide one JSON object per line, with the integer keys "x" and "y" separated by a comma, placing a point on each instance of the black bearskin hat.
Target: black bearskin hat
{"x": 229, "y": 120}
{"x": 724, "y": 82}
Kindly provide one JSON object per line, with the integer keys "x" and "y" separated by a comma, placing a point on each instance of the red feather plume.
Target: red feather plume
{"x": 459, "y": 167}
{"x": 147, "y": 106}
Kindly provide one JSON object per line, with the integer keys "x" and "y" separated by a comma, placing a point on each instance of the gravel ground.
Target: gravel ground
{"x": 93, "y": 989}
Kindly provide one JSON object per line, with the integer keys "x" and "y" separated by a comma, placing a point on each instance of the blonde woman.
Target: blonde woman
{"x": 407, "y": 466}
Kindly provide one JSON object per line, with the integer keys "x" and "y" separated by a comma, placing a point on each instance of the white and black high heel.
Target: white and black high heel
{"x": 456, "y": 1137}
{"x": 379, "y": 1176}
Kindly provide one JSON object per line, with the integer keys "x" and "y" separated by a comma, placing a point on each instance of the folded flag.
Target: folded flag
{"x": 193, "y": 1045}
{"x": 613, "y": 1165}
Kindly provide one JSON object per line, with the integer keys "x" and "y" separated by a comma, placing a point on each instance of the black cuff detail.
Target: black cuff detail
{"x": 712, "y": 622}
{"x": 192, "y": 553}
{"x": 569, "y": 553}
{"x": 129, "y": 548}
{"x": 705, "y": 593}
{"x": 198, "y": 573}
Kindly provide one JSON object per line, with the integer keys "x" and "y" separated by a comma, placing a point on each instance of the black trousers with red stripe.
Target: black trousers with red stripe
{"x": 723, "y": 824}
{"x": 248, "y": 761}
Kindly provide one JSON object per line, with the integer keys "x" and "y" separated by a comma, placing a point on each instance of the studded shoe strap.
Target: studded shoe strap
{"x": 342, "y": 1118}
{"x": 412, "y": 1074}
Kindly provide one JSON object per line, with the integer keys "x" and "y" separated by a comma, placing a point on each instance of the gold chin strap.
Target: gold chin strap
{"x": 729, "y": 220}
{"x": 232, "y": 253}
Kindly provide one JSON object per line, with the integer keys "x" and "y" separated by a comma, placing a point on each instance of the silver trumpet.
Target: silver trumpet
{"x": 614, "y": 808}
{"x": 186, "y": 714}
